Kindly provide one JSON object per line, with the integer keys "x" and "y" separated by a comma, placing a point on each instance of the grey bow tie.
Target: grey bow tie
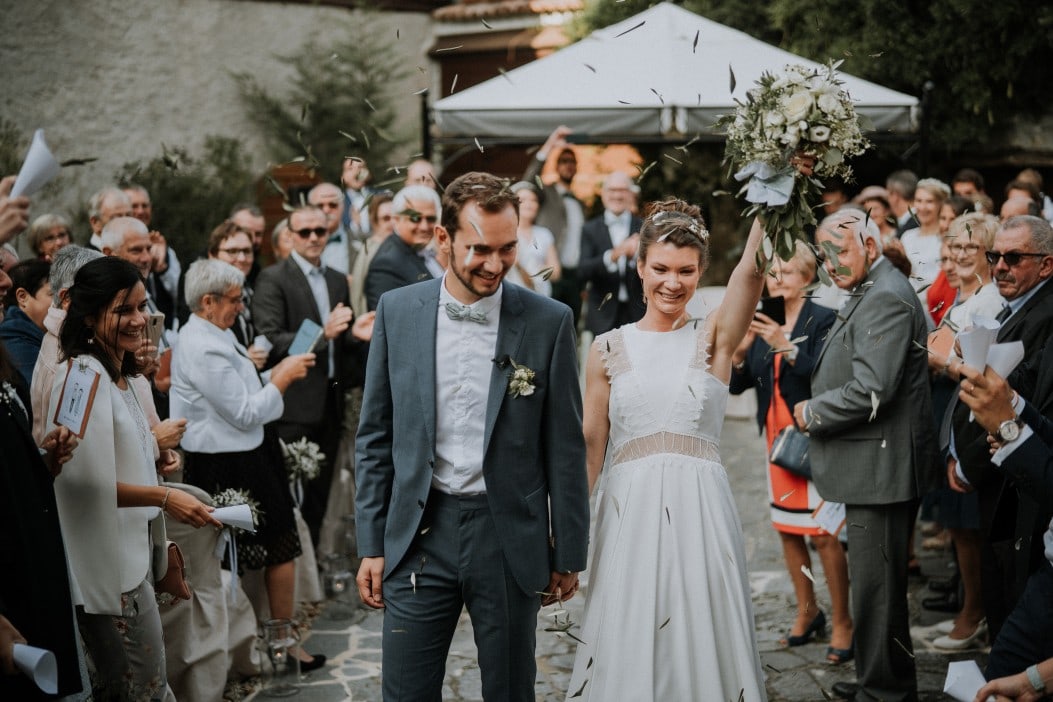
{"x": 460, "y": 313}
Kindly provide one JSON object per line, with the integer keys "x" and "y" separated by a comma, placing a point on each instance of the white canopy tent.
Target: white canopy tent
{"x": 661, "y": 75}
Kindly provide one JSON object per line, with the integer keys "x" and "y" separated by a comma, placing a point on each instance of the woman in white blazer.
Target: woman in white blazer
{"x": 108, "y": 492}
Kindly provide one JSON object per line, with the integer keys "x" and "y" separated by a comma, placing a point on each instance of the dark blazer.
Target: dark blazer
{"x": 281, "y": 301}
{"x": 595, "y": 240}
{"x": 795, "y": 381}
{"x": 395, "y": 265}
{"x": 862, "y": 455}
{"x": 533, "y": 447}
{"x": 34, "y": 592}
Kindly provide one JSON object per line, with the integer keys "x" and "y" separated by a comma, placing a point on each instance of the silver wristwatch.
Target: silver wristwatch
{"x": 1009, "y": 430}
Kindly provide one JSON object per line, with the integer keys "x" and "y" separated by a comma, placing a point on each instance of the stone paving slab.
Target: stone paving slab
{"x": 793, "y": 675}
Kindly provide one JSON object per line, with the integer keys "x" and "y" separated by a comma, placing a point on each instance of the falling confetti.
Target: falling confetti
{"x": 694, "y": 44}
{"x": 630, "y": 29}
{"x": 807, "y": 572}
{"x": 731, "y": 79}
{"x": 478, "y": 145}
{"x": 874, "y": 405}
{"x": 604, "y": 301}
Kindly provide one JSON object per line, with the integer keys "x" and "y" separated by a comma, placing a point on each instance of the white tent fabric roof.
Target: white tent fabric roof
{"x": 642, "y": 78}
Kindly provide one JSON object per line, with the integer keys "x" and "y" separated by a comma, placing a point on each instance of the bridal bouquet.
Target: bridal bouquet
{"x": 303, "y": 462}
{"x": 805, "y": 111}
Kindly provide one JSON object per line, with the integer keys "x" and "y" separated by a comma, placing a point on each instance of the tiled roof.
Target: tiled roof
{"x": 467, "y": 10}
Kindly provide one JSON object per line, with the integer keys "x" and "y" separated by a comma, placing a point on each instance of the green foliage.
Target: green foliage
{"x": 191, "y": 195}
{"x": 989, "y": 63}
{"x": 337, "y": 105}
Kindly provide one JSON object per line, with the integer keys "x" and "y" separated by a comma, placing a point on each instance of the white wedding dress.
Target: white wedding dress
{"x": 668, "y": 614}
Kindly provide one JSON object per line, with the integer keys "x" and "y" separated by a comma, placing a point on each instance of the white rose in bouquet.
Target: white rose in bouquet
{"x": 819, "y": 134}
{"x": 830, "y": 104}
{"x": 774, "y": 119}
{"x": 798, "y": 105}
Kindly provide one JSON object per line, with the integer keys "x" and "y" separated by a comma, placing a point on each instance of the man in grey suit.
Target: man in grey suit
{"x": 470, "y": 458}
{"x": 872, "y": 444}
{"x": 404, "y": 258}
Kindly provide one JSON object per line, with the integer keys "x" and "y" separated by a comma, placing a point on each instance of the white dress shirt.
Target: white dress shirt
{"x": 464, "y": 353}
{"x": 316, "y": 280}
{"x": 217, "y": 389}
{"x": 570, "y": 250}
{"x": 335, "y": 255}
{"x": 618, "y": 226}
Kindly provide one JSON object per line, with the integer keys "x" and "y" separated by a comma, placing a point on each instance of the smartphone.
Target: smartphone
{"x": 155, "y": 327}
{"x": 774, "y": 307}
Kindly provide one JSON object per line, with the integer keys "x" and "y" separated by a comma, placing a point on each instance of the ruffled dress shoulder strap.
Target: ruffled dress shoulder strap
{"x": 612, "y": 350}
{"x": 700, "y": 358}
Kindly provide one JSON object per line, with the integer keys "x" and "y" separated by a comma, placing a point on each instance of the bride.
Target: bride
{"x": 668, "y": 615}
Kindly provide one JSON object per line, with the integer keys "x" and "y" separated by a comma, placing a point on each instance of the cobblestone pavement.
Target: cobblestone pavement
{"x": 350, "y": 635}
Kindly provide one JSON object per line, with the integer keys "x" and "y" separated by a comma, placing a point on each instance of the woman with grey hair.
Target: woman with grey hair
{"x": 47, "y": 234}
{"x": 230, "y": 440}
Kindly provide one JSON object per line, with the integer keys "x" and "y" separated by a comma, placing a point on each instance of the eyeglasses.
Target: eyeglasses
{"x": 328, "y": 205}
{"x": 416, "y": 217}
{"x": 968, "y": 249}
{"x": 385, "y": 218}
{"x": 234, "y": 253}
{"x": 1012, "y": 258}
{"x": 306, "y": 233}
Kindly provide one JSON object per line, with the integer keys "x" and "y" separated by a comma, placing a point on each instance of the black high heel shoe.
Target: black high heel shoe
{"x": 816, "y": 628}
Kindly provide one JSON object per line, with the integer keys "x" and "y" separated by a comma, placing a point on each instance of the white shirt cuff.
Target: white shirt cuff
{"x": 1007, "y": 449}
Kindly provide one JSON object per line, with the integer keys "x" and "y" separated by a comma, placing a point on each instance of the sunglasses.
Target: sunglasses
{"x": 1012, "y": 258}
{"x": 416, "y": 217}
{"x": 306, "y": 233}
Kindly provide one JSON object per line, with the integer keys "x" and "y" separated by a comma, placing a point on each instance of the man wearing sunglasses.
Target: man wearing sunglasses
{"x": 405, "y": 258}
{"x": 302, "y": 287}
{"x": 1010, "y": 521}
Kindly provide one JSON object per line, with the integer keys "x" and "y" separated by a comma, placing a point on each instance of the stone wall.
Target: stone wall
{"x": 114, "y": 79}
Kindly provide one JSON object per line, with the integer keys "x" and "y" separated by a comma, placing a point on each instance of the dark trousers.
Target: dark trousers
{"x": 1026, "y": 637}
{"x": 326, "y": 434}
{"x": 456, "y": 561}
{"x": 878, "y": 549}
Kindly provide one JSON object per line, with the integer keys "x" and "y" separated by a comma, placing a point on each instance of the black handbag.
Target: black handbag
{"x": 790, "y": 451}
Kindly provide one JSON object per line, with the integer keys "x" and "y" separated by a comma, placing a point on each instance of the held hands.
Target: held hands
{"x": 338, "y": 321}
{"x": 9, "y": 636}
{"x": 370, "y": 581}
{"x": 766, "y": 328}
{"x": 988, "y": 395}
{"x": 58, "y": 445}
{"x": 186, "y": 508}
{"x": 561, "y": 587}
{"x": 556, "y": 141}
{"x": 158, "y": 252}
{"x": 362, "y": 329}
{"x": 257, "y": 356}
{"x": 627, "y": 249}
{"x": 169, "y": 433}
{"x": 169, "y": 462}
{"x": 14, "y": 211}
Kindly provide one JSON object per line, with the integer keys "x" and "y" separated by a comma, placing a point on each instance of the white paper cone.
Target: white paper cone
{"x": 1004, "y": 358}
{"x": 38, "y": 168}
{"x": 39, "y": 665}
{"x": 975, "y": 342}
{"x": 262, "y": 343}
{"x": 236, "y": 515}
{"x": 964, "y": 680}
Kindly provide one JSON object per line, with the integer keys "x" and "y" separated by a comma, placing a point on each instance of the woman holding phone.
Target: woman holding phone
{"x": 777, "y": 357}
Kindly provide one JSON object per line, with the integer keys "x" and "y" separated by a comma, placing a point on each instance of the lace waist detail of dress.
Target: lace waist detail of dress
{"x": 665, "y": 442}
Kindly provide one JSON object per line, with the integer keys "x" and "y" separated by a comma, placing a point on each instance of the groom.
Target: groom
{"x": 470, "y": 458}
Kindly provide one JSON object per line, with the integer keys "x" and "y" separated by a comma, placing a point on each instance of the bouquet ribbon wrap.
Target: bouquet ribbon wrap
{"x": 767, "y": 186}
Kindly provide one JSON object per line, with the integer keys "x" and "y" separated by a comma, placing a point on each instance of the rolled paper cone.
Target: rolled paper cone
{"x": 39, "y": 168}
{"x": 237, "y": 516}
{"x": 39, "y": 665}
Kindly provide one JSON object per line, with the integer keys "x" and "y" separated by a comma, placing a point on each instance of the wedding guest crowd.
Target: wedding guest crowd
{"x": 259, "y": 353}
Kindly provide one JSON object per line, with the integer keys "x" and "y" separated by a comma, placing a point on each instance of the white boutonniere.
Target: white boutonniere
{"x": 521, "y": 384}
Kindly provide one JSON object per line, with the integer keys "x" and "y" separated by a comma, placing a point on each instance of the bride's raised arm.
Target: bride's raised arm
{"x": 732, "y": 318}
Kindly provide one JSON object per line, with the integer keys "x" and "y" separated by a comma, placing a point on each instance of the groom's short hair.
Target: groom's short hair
{"x": 489, "y": 192}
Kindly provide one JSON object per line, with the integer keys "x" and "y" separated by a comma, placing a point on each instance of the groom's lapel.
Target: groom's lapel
{"x": 423, "y": 323}
{"x": 509, "y": 338}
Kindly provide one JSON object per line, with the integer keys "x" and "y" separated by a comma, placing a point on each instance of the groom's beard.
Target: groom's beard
{"x": 467, "y": 279}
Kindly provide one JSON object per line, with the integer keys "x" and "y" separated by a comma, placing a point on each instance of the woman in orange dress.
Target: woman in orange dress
{"x": 777, "y": 360}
